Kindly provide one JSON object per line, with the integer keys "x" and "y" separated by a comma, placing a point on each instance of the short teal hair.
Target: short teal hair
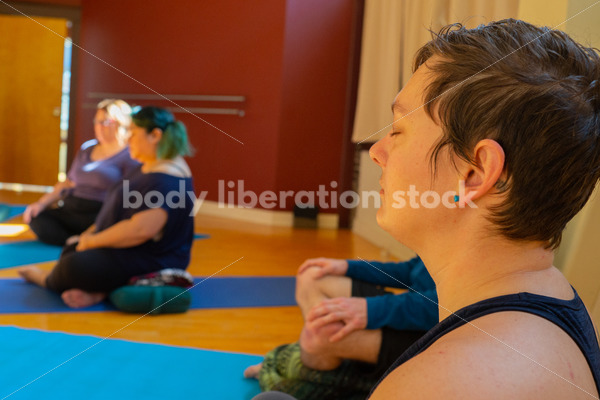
{"x": 174, "y": 141}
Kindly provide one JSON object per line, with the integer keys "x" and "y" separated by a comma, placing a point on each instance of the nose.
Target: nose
{"x": 377, "y": 152}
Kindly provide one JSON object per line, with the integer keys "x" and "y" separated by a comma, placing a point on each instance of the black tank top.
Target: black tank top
{"x": 570, "y": 315}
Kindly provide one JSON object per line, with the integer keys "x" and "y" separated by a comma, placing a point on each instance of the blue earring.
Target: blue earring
{"x": 456, "y": 198}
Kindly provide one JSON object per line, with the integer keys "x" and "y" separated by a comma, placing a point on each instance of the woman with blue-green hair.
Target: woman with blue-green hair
{"x": 145, "y": 225}
{"x": 159, "y": 123}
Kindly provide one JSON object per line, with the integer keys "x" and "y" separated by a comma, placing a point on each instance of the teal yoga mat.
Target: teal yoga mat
{"x": 16, "y": 254}
{"x": 52, "y": 365}
{"x": 7, "y": 211}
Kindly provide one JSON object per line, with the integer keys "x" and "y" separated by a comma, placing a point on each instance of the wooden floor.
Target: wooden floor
{"x": 233, "y": 249}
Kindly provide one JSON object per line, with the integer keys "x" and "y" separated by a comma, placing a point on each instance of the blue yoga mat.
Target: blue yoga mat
{"x": 15, "y": 254}
{"x": 53, "y": 365}
{"x": 18, "y": 296}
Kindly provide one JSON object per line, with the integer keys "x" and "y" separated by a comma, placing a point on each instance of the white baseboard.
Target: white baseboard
{"x": 328, "y": 221}
{"x": 260, "y": 216}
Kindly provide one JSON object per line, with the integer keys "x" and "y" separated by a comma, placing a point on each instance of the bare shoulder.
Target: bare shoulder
{"x": 508, "y": 355}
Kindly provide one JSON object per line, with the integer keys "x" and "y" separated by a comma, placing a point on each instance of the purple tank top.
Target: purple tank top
{"x": 93, "y": 178}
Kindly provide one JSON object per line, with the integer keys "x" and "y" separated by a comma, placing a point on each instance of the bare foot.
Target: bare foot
{"x": 316, "y": 349}
{"x": 252, "y": 371}
{"x": 34, "y": 275}
{"x": 316, "y": 340}
{"x": 77, "y": 298}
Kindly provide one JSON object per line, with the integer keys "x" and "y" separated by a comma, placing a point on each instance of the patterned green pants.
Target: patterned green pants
{"x": 282, "y": 370}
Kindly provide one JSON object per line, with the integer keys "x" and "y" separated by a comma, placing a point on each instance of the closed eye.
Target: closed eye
{"x": 394, "y": 133}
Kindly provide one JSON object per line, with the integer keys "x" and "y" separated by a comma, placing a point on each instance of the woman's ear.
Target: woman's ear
{"x": 156, "y": 135}
{"x": 489, "y": 164}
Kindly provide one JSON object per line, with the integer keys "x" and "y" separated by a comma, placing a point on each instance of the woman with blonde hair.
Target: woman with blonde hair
{"x": 100, "y": 163}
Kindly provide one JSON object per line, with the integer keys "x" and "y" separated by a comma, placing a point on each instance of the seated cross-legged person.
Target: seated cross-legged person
{"x": 509, "y": 114}
{"x": 101, "y": 163}
{"x": 135, "y": 232}
{"x": 349, "y": 315}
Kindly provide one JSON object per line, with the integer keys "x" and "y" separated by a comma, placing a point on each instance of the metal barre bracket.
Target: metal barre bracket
{"x": 178, "y": 97}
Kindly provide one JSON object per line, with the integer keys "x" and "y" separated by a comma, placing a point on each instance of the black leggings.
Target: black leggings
{"x": 97, "y": 270}
{"x": 55, "y": 225}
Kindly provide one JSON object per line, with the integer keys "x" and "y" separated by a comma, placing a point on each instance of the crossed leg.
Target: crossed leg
{"x": 74, "y": 298}
{"x": 317, "y": 350}
{"x": 34, "y": 275}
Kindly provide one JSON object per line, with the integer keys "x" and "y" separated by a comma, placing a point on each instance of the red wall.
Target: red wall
{"x": 290, "y": 58}
{"x": 315, "y": 86}
{"x": 222, "y": 47}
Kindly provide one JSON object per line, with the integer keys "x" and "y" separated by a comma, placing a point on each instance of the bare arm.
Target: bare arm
{"x": 35, "y": 208}
{"x": 141, "y": 227}
{"x": 507, "y": 355}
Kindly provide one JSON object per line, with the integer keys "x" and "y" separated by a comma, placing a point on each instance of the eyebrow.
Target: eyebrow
{"x": 397, "y": 107}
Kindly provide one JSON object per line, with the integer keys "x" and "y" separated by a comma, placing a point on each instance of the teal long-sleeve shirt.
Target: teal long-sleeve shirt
{"x": 414, "y": 310}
